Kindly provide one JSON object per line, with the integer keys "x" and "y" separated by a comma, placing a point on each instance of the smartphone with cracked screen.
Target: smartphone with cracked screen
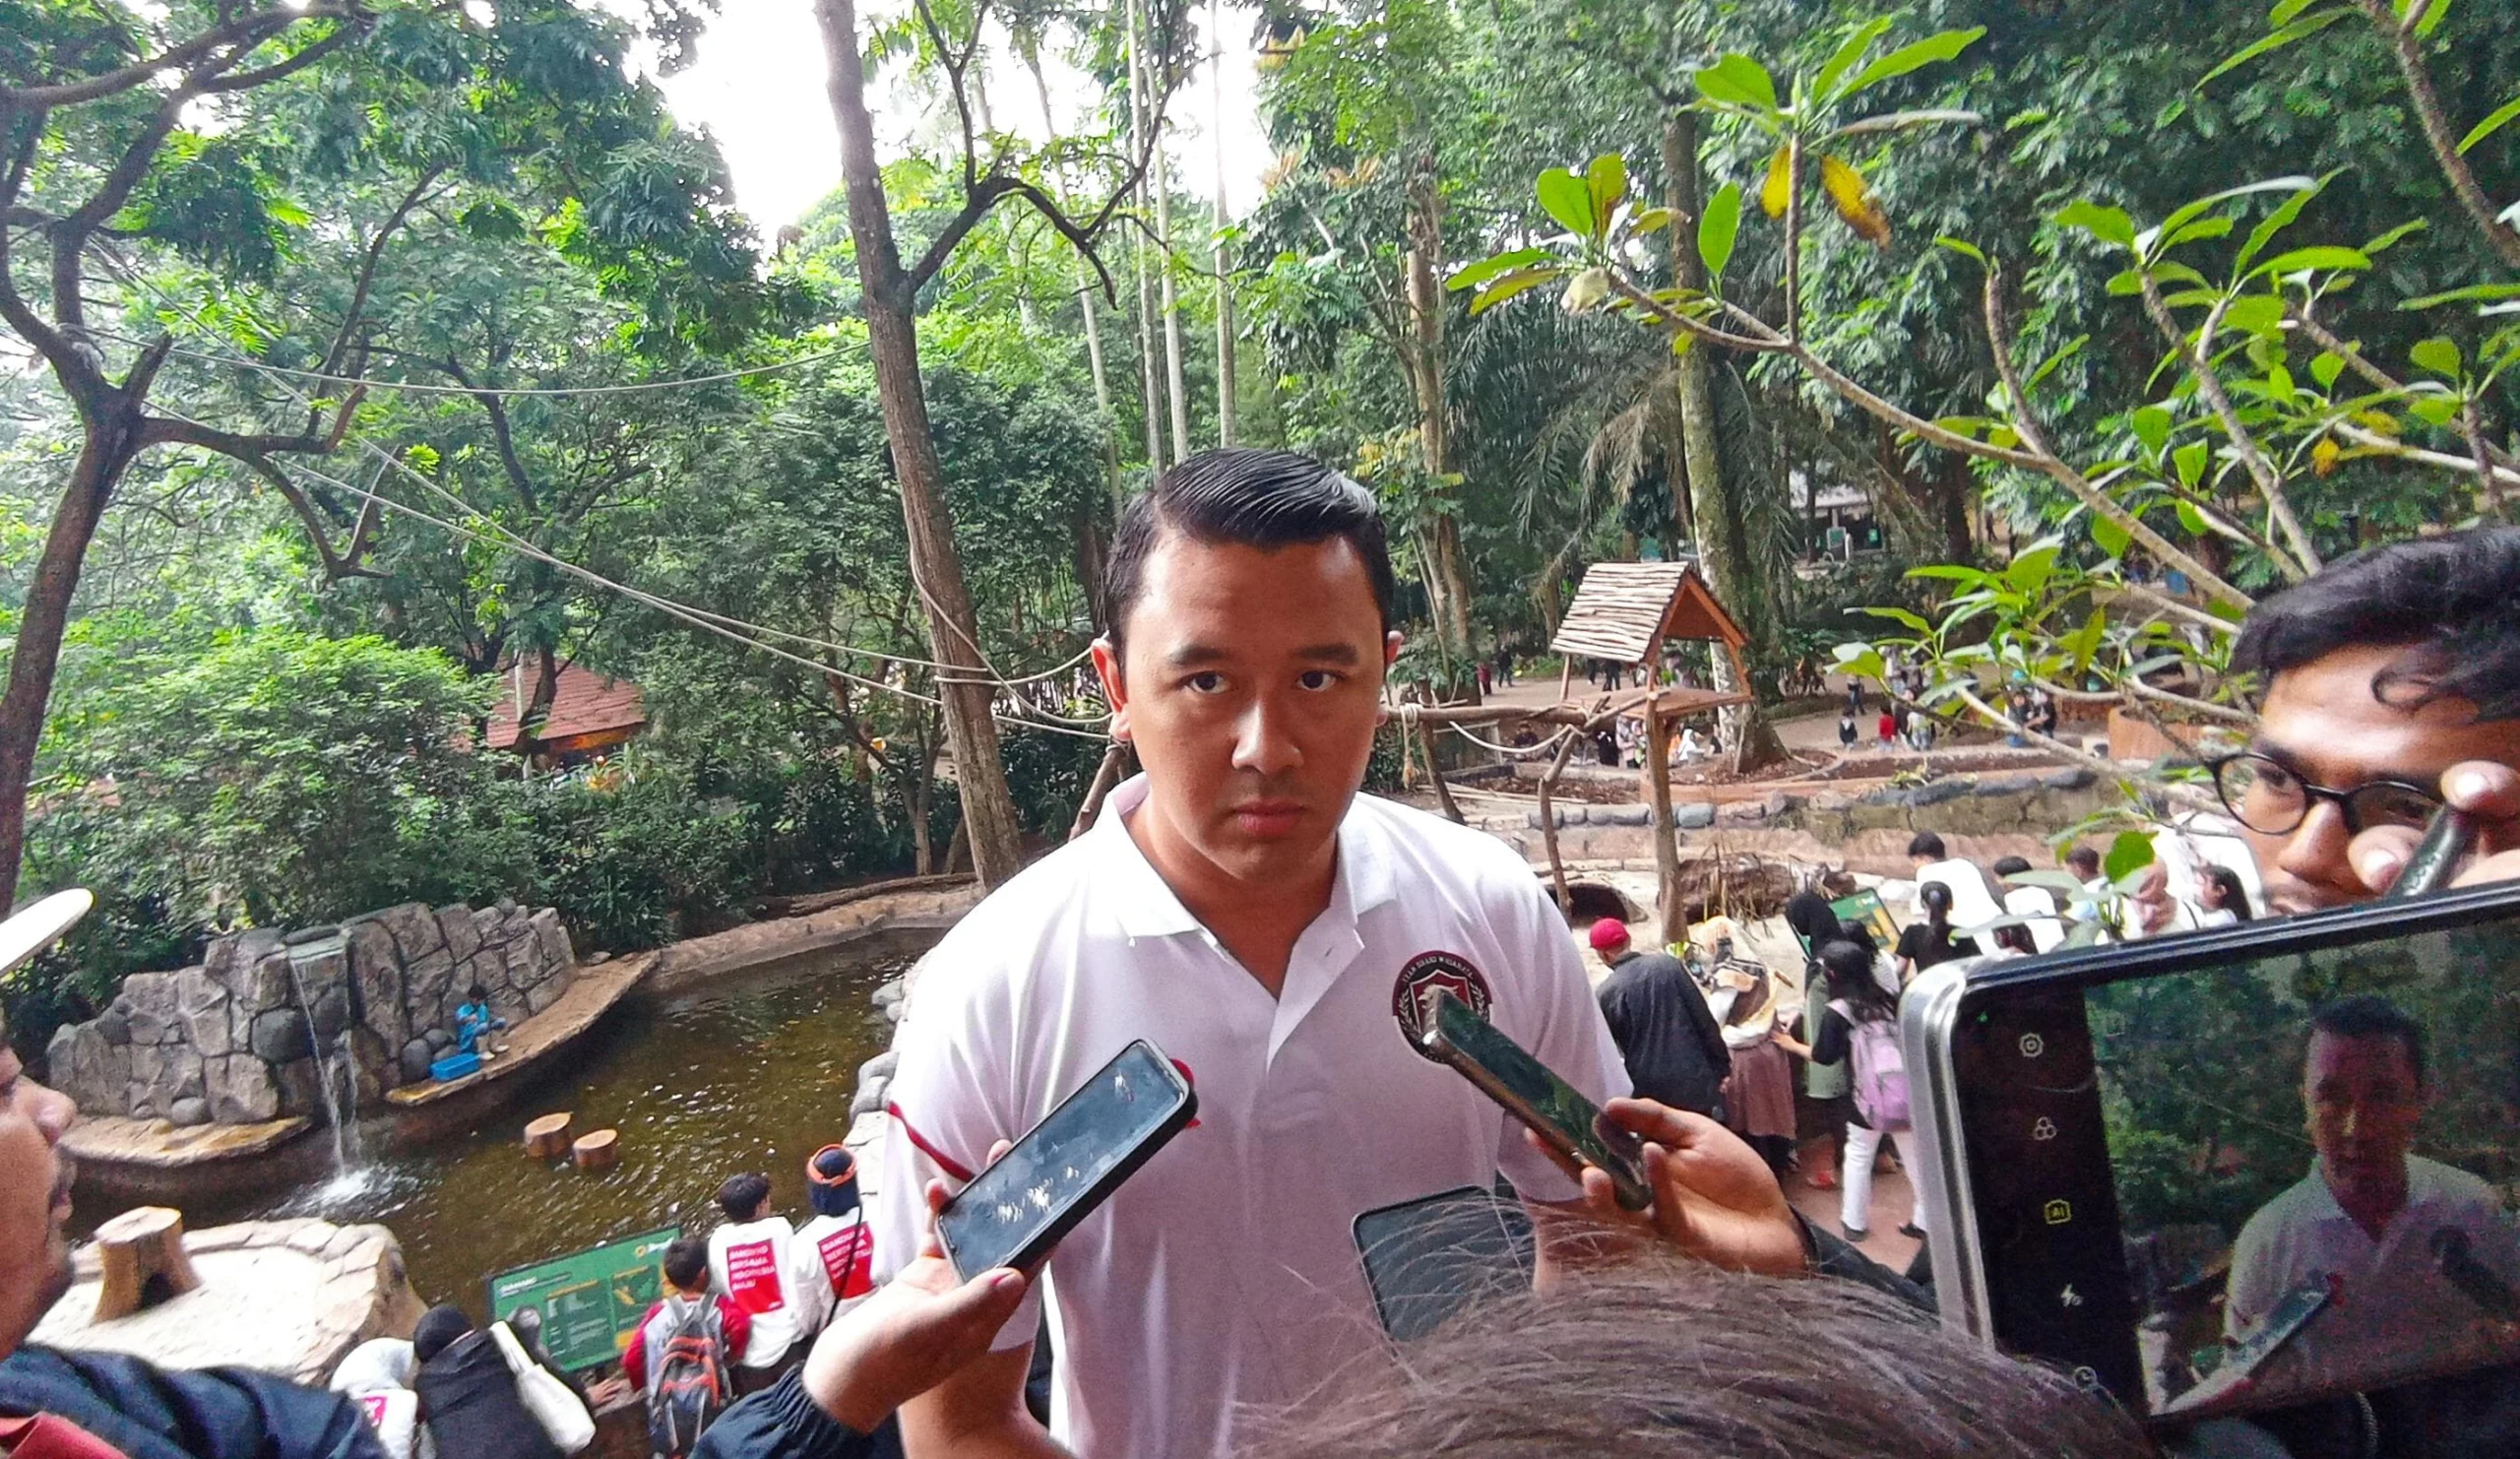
{"x": 1506, "y": 1072}
{"x": 1013, "y": 1213}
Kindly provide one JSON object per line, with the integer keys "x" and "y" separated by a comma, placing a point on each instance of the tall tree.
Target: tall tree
{"x": 890, "y": 303}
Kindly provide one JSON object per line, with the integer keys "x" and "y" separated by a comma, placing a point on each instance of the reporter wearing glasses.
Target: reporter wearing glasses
{"x": 2390, "y": 685}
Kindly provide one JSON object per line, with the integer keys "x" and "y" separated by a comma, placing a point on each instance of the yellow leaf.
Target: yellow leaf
{"x": 1855, "y": 200}
{"x": 2323, "y": 456}
{"x": 1774, "y": 192}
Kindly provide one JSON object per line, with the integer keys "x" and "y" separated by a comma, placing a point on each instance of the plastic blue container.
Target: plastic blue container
{"x": 455, "y": 1066}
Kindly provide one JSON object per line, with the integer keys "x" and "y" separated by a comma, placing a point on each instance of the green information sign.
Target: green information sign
{"x": 591, "y": 1300}
{"x": 1865, "y": 908}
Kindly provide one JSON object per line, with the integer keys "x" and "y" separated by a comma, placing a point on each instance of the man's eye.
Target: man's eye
{"x": 1318, "y": 678}
{"x": 1204, "y": 684}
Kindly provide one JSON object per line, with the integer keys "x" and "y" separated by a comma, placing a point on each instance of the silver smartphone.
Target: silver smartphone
{"x": 2139, "y": 1160}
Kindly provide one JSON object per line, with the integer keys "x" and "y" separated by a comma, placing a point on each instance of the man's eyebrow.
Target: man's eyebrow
{"x": 1192, "y": 655}
{"x": 1341, "y": 654}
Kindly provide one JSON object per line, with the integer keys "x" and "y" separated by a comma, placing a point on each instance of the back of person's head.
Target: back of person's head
{"x": 688, "y": 1263}
{"x": 1929, "y": 846}
{"x": 2454, "y": 600}
{"x": 1850, "y": 970}
{"x": 2083, "y": 862}
{"x": 1252, "y": 498}
{"x": 2010, "y": 866}
{"x": 741, "y": 1196}
{"x": 439, "y": 1327}
{"x": 1808, "y": 912}
{"x": 1664, "y": 1360}
{"x": 2233, "y": 892}
{"x": 1937, "y": 903}
{"x": 1861, "y": 934}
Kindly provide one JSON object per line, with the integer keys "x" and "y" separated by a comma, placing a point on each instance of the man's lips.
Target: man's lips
{"x": 61, "y": 1185}
{"x": 1268, "y": 817}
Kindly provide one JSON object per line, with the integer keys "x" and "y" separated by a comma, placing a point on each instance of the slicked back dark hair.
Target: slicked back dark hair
{"x": 2454, "y": 598}
{"x": 1255, "y": 498}
{"x": 744, "y": 1194}
{"x": 686, "y": 1263}
{"x": 2371, "y": 1016}
{"x": 1928, "y": 844}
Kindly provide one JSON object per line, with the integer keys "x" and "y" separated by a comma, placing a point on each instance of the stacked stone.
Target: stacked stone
{"x": 244, "y": 1037}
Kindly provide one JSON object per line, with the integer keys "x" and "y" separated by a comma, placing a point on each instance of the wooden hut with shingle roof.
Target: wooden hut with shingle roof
{"x": 1624, "y": 611}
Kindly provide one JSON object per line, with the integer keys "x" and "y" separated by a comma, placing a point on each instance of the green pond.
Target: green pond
{"x": 752, "y": 1072}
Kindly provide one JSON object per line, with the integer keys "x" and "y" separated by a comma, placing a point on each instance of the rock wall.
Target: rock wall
{"x": 251, "y": 1033}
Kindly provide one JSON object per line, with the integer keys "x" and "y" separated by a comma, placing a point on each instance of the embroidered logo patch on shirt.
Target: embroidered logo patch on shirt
{"x": 1412, "y": 994}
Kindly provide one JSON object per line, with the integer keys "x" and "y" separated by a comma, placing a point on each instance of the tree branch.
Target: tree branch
{"x": 2409, "y": 51}
{"x": 2193, "y": 353}
{"x": 169, "y": 430}
{"x": 336, "y": 565}
{"x": 368, "y": 260}
{"x": 500, "y": 433}
{"x": 307, "y": 55}
{"x": 254, "y": 29}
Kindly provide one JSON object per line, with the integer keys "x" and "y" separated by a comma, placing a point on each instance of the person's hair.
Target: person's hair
{"x": 2083, "y": 862}
{"x": 1851, "y": 979}
{"x": 1938, "y": 902}
{"x": 2371, "y": 1016}
{"x": 688, "y": 1263}
{"x": 741, "y": 1196}
{"x": 2010, "y": 866}
{"x": 2234, "y": 895}
{"x": 476, "y": 994}
{"x": 439, "y": 1327}
{"x": 1665, "y": 1360}
{"x": 1808, "y": 912}
{"x": 1927, "y": 845}
{"x": 2453, "y": 600}
{"x": 1253, "y": 499}
{"x": 2015, "y": 936}
{"x": 1861, "y": 934}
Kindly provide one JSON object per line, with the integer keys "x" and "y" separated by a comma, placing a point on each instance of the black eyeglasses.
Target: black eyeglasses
{"x": 2264, "y": 795}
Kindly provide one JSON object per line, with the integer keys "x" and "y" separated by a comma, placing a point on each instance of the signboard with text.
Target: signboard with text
{"x": 1864, "y": 908}
{"x": 591, "y": 1300}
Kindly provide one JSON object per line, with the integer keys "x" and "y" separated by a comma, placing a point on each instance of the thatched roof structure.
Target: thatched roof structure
{"x": 1624, "y": 611}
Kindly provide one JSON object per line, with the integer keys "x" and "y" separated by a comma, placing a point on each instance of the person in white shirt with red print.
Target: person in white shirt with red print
{"x": 1278, "y": 937}
{"x": 748, "y": 1268}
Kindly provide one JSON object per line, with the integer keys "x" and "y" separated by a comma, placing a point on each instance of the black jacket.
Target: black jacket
{"x": 782, "y": 1423}
{"x": 155, "y": 1412}
{"x": 1665, "y": 1033}
{"x": 469, "y": 1402}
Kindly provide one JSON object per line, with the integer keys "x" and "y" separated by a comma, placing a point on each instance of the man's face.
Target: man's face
{"x": 2324, "y": 723}
{"x": 1251, "y": 689}
{"x": 35, "y": 1200}
{"x": 2361, "y": 1099}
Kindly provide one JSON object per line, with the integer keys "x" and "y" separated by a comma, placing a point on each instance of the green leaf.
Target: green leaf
{"x": 2048, "y": 367}
{"x": 1843, "y": 59}
{"x": 2433, "y": 14}
{"x": 2030, "y": 569}
{"x": 1909, "y": 59}
{"x": 1862, "y": 661}
{"x": 1719, "y": 228}
{"x": 2189, "y": 461}
{"x": 2110, "y": 538}
{"x": 1739, "y": 81}
{"x": 2438, "y": 355}
{"x": 1568, "y": 199}
{"x": 2109, "y": 224}
{"x": 2125, "y": 283}
{"x": 2490, "y": 125}
{"x": 2434, "y": 410}
{"x": 2277, "y": 221}
{"x": 2326, "y": 368}
{"x": 2473, "y": 293}
{"x": 2152, "y": 426}
{"x": 2130, "y": 853}
{"x": 2181, "y": 216}
{"x": 1511, "y": 284}
{"x": 1902, "y": 617}
{"x": 1471, "y": 275}
{"x": 2256, "y": 314}
{"x": 2309, "y": 25}
{"x": 2190, "y": 518}
{"x": 1605, "y": 181}
{"x": 1965, "y": 249}
{"x": 2295, "y": 260}
{"x": 2286, "y": 12}
{"x": 2202, "y": 229}
{"x": 1650, "y": 221}
{"x": 2390, "y": 239}
{"x": 2086, "y": 641}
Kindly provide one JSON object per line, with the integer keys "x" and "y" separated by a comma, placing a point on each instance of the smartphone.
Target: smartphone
{"x": 2142, "y": 1154}
{"x": 1014, "y": 1212}
{"x": 1570, "y": 1124}
{"x": 1427, "y": 1258}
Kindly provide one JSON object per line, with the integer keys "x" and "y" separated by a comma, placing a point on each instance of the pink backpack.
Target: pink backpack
{"x": 1881, "y": 1070}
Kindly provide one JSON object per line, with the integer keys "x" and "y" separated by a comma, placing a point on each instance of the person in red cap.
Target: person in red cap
{"x": 1665, "y": 1033}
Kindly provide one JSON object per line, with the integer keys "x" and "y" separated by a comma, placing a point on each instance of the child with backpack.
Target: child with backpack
{"x": 684, "y": 1354}
{"x": 1862, "y": 1028}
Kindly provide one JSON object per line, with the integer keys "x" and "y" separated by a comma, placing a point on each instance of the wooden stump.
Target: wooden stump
{"x": 597, "y": 1149}
{"x": 547, "y": 1138}
{"x": 143, "y": 1251}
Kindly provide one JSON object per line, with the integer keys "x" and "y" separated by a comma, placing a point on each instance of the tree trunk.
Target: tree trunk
{"x": 1150, "y": 389}
{"x": 1744, "y": 728}
{"x": 1226, "y": 435}
{"x": 1177, "y": 392}
{"x": 952, "y": 632}
{"x": 1422, "y": 263}
{"x": 113, "y": 438}
{"x": 1085, "y": 293}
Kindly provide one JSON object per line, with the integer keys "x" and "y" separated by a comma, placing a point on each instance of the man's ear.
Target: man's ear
{"x": 1391, "y": 643}
{"x": 1116, "y": 691}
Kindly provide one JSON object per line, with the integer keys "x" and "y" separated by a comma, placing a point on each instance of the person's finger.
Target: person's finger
{"x": 2483, "y": 787}
{"x": 2504, "y": 867}
{"x": 1573, "y": 1168}
{"x": 997, "y": 1151}
{"x": 1651, "y": 1120}
{"x": 975, "y": 1310}
{"x": 2380, "y": 853}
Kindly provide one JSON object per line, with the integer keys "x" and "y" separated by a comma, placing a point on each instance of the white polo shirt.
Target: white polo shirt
{"x": 1224, "y": 1273}
{"x": 2391, "y": 1314}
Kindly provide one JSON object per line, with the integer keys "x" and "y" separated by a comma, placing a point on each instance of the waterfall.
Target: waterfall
{"x": 334, "y": 1070}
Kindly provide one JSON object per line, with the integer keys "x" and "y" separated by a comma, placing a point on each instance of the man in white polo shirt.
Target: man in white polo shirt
{"x": 1273, "y": 934}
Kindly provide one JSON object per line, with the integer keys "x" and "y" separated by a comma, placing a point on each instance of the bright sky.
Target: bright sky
{"x": 759, "y": 88}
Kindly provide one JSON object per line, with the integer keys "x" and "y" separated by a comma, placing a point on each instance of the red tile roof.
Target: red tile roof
{"x": 583, "y": 702}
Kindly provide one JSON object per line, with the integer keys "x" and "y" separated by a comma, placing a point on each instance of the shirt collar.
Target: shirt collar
{"x": 1146, "y": 907}
{"x": 2421, "y": 1188}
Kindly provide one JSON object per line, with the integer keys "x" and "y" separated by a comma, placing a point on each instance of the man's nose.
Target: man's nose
{"x": 54, "y": 1112}
{"x": 2315, "y": 852}
{"x": 1261, "y": 742}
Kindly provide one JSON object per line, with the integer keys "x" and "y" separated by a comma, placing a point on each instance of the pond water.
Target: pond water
{"x": 754, "y": 1072}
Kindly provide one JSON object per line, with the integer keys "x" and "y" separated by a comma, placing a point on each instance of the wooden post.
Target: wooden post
{"x": 143, "y": 1251}
{"x": 1104, "y": 777}
{"x": 1666, "y": 836}
{"x": 1565, "y": 676}
{"x": 600, "y": 1150}
{"x": 547, "y": 1138}
{"x": 1436, "y": 773}
{"x": 1548, "y": 819}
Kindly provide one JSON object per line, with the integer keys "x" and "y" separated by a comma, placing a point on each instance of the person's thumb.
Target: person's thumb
{"x": 979, "y": 1307}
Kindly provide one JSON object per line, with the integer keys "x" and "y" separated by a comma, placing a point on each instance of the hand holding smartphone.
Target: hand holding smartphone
{"x": 1567, "y": 1122}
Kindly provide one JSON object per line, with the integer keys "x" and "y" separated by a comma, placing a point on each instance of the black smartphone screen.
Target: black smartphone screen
{"x": 1428, "y": 1259}
{"x": 1015, "y": 1210}
{"x": 2260, "y": 1166}
{"x": 1529, "y": 1090}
